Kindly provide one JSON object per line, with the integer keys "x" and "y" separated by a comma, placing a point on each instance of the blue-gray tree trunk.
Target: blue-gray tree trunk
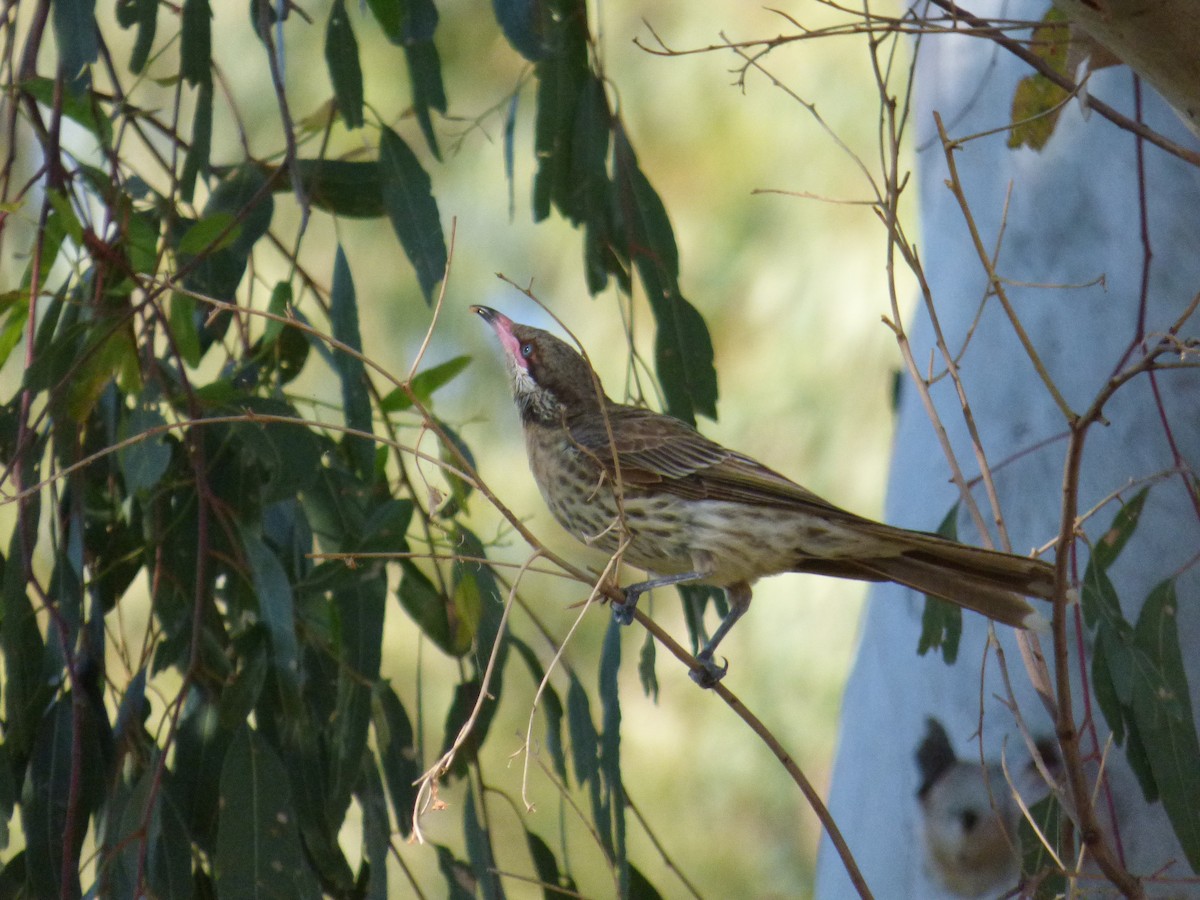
{"x": 1073, "y": 217}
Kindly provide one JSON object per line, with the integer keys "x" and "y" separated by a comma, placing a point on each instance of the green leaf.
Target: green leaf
{"x": 551, "y": 707}
{"x": 75, "y": 34}
{"x": 460, "y": 488}
{"x": 489, "y": 603}
{"x": 26, "y": 692}
{"x": 683, "y": 349}
{"x": 45, "y": 810}
{"x": 398, "y": 755}
{"x": 144, "y": 462}
{"x": 1035, "y": 859}
{"x": 610, "y": 749}
{"x": 1098, "y": 598}
{"x": 217, "y": 274}
{"x": 258, "y": 844}
{"x": 1106, "y": 693}
{"x": 460, "y": 881}
{"x": 466, "y": 695}
{"x": 195, "y": 54}
{"x": 376, "y": 833}
{"x": 941, "y": 622}
{"x": 212, "y": 233}
{"x": 275, "y": 603}
{"x": 562, "y": 73}
{"x": 428, "y": 609}
{"x": 390, "y": 14}
{"x": 81, "y": 108}
{"x": 181, "y": 314}
{"x": 1112, "y": 542}
{"x": 1163, "y": 709}
{"x": 522, "y": 24}
{"x": 143, "y": 14}
{"x": 413, "y": 211}
{"x": 479, "y": 851}
{"x": 351, "y": 189}
{"x": 281, "y": 299}
{"x": 425, "y": 75}
{"x": 16, "y": 316}
{"x": 282, "y": 458}
{"x": 356, "y": 401}
{"x": 1037, "y": 100}
{"x": 424, "y": 383}
{"x": 44, "y": 805}
{"x": 197, "y": 160}
{"x": 347, "y": 743}
{"x": 341, "y": 55}
{"x": 646, "y": 674}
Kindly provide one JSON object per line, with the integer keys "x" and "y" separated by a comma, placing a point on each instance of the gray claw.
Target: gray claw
{"x": 710, "y": 673}
{"x": 623, "y": 612}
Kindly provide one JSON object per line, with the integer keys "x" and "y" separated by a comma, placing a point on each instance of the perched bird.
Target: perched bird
{"x": 687, "y": 510}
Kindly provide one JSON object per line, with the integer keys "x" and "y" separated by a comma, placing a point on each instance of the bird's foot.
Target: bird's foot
{"x": 709, "y": 672}
{"x": 623, "y": 612}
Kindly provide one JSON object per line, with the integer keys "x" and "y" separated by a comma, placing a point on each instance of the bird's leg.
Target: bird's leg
{"x": 738, "y": 596}
{"x": 623, "y": 612}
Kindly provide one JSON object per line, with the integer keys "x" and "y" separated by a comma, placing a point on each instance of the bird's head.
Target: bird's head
{"x": 550, "y": 381}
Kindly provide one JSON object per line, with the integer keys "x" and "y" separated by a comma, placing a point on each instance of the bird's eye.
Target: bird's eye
{"x": 527, "y": 350}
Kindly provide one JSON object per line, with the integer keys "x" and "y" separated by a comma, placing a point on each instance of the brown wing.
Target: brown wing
{"x": 654, "y": 449}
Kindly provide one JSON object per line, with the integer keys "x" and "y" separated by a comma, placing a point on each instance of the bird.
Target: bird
{"x": 687, "y": 510}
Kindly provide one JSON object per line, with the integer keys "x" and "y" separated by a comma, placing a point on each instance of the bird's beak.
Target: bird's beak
{"x": 503, "y": 326}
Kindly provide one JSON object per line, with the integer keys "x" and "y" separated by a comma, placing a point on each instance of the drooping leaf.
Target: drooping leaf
{"x": 424, "y": 383}
{"x": 212, "y": 233}
{"x": 356, "y": 401}
{"x": 683, "y": 349}
{"x": 275, "y": 604}
{"x": 75, "y": 33}
{"x": 646, "y": 673}
{"x": 341, "y": 56}
{"x": 244, "y": 193}
{"x": 941, "y": 622}
{"x": 143, "y": 14}
{"x": 429, "y": 609}
{"x": 562, "y": 73}
{"x": 390, "y": 15}
{"x": 25, "y": 690}
{"x": 50, "y": 831}
{"x": 1162, "y": 706}
{"x": 1035, "y": 860}
{"x": 145, "y": 461}
{"x": 376, "y": 833}
{"x": 196, "y": 162}
{"x": 81, "y": 108}
{"x": 546, "y": 866}
{"x": 413, "y": 211}
{"x": 195, "y": 54}
{"x": 341, "y": 187}
{"x": 551, "y": 707}
{"x": 397, "y": 753}
{"x": 258, "y": 844}
{"x": 1112, "y": 542}
{"x": 479, "y": 852}
{"x": 466, "y": 696}
{"x": 424, "y": 67}
{"x": 1037, "y": 100}
{"x": 460, "y": 880}
{"x": 610, "y": 750}
{"x": 521, "y": 22}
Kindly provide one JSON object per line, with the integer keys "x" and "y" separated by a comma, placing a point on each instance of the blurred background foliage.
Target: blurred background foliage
{"x": 791, "y": 290}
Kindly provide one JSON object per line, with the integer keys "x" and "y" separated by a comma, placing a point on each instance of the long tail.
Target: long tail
{"x": 986, "y": 581}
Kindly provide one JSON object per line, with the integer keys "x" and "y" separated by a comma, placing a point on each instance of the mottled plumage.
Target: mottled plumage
{"x": 697, "y": 512}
